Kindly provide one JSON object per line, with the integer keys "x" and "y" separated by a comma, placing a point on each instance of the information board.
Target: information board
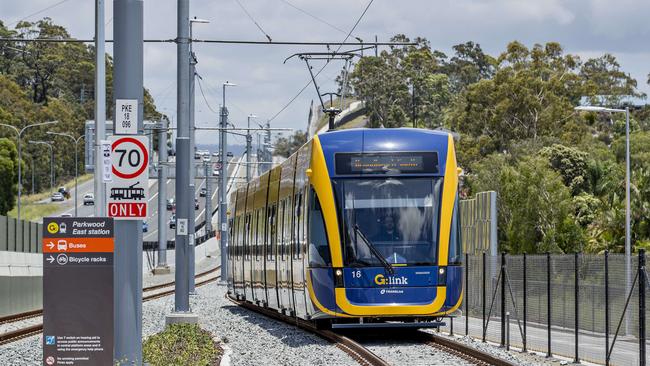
{"x": 126, "y": 117}
{"x": 78, "y": 291}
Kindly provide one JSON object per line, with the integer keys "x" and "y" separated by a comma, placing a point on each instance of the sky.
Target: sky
{"x": 265, "y": 84}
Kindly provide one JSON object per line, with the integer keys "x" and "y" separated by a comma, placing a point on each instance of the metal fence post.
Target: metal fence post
{"x": 607, "y": 308}
{"x": 576, "y": 291}
{"x": 503, "y": 298}
{"x": 548, "y": 304}
{"x": 466, "y": 293}
{"x": 523, "y": 349}
{"x": 483, "y": 295}
{"x": 642, "y": 285}
{"x": 451, "y": 326}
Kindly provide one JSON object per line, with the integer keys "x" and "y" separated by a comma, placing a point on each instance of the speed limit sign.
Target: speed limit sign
{"x": 128, "y": 193}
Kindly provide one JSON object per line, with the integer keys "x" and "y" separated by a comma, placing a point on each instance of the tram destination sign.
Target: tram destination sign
{"x": 78, "y": 291}
{"x": 128, "y": 193}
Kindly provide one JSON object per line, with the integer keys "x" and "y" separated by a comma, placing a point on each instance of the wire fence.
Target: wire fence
{"x": 581, "y": 306}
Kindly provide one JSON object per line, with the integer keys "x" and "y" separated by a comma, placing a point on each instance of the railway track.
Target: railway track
{"x": 366, "y": 357}
{"x": 29, "y": 331}
{"x": 460, "y": 350}
{"x": 354, "y": 349}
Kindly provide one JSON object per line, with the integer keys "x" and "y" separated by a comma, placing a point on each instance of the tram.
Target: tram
{"x": 358, "y": 228}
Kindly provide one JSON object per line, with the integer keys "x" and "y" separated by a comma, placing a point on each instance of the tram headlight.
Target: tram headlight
{"x": 442, "y": 276}
{"x": 338, "y": 277}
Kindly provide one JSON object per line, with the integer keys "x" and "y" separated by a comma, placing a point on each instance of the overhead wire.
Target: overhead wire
{"x": 313, "y": 16}
{"x": 204, "y": 98}
{"x": 36, "y": 13}
{"x": 254, "y": 21}
{"x": 324, "y": 66}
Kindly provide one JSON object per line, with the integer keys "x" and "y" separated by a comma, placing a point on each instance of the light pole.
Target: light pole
{"x": 48, "y": 144}
{"x": 76, "y": 162}
{"x": 628, "y": 244}
{"x": 192, "y": 187}
{"x": 19, "y": 135}
{"x": 249, "y": 140}
{"x": 223, "y": 179}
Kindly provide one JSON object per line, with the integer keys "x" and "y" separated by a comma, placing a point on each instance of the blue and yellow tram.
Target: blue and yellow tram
{"x": 357, "y": 228}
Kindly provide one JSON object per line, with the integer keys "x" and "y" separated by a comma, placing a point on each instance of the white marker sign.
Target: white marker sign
{"x": 126, "y": 117}
{"x": 107, "y": 174}
{"x": 129, "y": 191}
{"x": 181, "y": 226}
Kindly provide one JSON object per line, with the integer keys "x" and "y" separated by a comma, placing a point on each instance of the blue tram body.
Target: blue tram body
{"x": 358, "y": 227}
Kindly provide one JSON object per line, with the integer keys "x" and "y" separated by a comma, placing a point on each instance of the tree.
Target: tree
{"x": 535, "y": 208}
{"x": 468, "y": 66}
{"x": 571, "y": 163}
{"x": 286, "y": 146}
{"x": 604, "y": 78}
{"x": 8, "y": 175}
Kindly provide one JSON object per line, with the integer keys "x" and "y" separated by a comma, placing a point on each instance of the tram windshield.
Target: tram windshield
{"x": 398, "y": 217}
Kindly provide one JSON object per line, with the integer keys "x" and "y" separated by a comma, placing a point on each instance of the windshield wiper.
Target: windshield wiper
{"x": 374, "y": 250}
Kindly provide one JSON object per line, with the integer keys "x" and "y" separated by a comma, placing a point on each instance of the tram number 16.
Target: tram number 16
{"x": 133, "y": 157}
{"x": 356, "y": 274}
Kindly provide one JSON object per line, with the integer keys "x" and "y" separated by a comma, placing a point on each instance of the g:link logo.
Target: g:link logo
{"x": 382, "y": 280}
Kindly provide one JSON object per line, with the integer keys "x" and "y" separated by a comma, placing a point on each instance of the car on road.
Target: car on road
{"x": 172, "y": 222}
{"x": 57, "y": 197}
{"x": 145, "y": 226}
{"x": 89, "y": 199}
{"x": 197, "y": 154}
{"x": 216, "y": 154}
{"x": 203, "y": 192}
{"x": 206, "y": 158}
{"x": 66, "y": 215}
{"x": 229, "y": 154}
{"x": 196, "y": 203}
{"x": 215, "y": 171}
{"x": 171, "y": 204}
{"x": 64, "y": 191}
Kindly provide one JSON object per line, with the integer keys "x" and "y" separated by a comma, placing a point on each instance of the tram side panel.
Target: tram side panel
{"x": 249, "y": 243}
{"x": 300, "y": 232}
{"x": 271, "y": 260}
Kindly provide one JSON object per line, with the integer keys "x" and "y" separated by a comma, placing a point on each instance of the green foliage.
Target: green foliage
{"x": 572, "y": 164}
{"x": 181, "y": 344}
{"x": 47, "y": 81}
{"x": 535, "y": 208}
{"x": 286, "y": 146}
{"x": 8, "y": 175}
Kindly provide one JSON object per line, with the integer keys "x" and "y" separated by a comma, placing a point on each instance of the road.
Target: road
{"x": 67, "y": 207}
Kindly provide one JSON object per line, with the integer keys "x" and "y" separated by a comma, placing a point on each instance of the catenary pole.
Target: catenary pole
{"x": 162, "y": 266}
{"x": 192, "y": 185}
{"x": 223, "y": 179}
{"x": 100, "y": 107}
{"x": 181, "y": 292}
{"x": 128, "y": 84}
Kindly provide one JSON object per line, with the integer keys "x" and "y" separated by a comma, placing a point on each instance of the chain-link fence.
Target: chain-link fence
{"x": 582, "y": 306}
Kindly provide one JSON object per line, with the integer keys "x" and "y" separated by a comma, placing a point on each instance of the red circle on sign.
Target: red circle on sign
{"x": 144, "y": 161}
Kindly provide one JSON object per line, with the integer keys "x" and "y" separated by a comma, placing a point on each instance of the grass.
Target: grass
{"x": 181, "y": 344}
{"x": 33, "y": 210}
{"x": 355, "y": 123}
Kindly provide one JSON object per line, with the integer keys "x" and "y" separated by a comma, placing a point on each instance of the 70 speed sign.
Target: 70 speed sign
{"x": 129, "y": 191}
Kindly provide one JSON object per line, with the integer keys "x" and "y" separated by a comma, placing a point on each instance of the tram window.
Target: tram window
{"x": 247, "y": 235}
{"x": 280, "y": 230}
{"x": 455, "y": 244}
{"x": 296, "y": 226}
{"x": 270, "y": 236}
{"x": 232, "y": 237}
{"x": 319, "y": 252}
{"x": 260, "y": 234}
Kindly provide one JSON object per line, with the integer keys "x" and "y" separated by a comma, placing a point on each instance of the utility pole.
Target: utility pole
{"x": 249, "y": 140}
{"x": 182, "y": 312}
{"x": 76, "y": 164}
{"x": 191, "y": 215}
{"x": 208, "y": 200}
{"x": 223, "y": 179}
{"x": 267, "y": 147}
{"x": 128, "y": 84}
{"x": 100, "y": 108}
{"x": 162, "y": 267}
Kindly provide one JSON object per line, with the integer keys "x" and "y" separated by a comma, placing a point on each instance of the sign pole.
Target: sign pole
{"x": 128, "y": 85}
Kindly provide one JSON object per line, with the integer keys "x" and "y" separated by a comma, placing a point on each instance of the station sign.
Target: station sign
{"x": 128, "y": 192}
{"x": 78, "y": 291}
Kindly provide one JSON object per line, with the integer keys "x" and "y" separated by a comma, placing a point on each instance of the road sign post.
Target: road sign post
{"x": 78, "y": 291}
{"x": 130, "y": 203}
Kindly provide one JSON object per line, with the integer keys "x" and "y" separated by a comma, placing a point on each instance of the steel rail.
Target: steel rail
{"x": 354, "y": 349}
{"x": 460, "y": 350}
{"x": 21, "y": 333}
